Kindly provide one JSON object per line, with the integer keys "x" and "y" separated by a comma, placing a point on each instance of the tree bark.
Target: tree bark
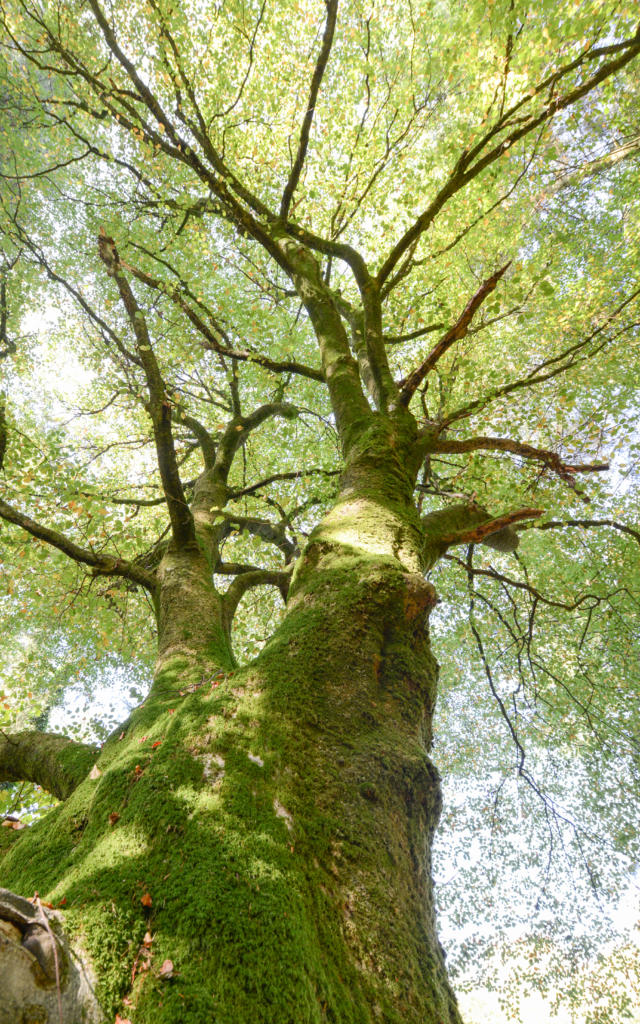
{"x": 54, "y": 762}
{"x": 270, "y": 828}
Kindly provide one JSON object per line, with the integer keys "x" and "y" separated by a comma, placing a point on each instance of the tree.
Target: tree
{"x": 350, "y": 289}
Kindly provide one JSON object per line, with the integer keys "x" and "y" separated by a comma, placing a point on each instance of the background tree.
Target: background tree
{"x": 329, "y": 298}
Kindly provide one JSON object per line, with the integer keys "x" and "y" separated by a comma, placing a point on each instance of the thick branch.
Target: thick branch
{"x": 102, "y": 565}
{"x": 206, "y": 441}
{"x": 385, "y": 388}
{"x": 349, "y": 404}
{"x": 471, "y": 524}
{"x": 455, "y": 333}
{"x": 482, "y": 531}
{"x": 550, "y": 459}
{"x": 274, "y": 533}
{"x": 159, "y": 406}
{"x": 8, "y": 343}
{"x": 316, "y": 81}
{"x": 254, "y": 578}
{"x": 211, "y": 489}
{"x": 3, "y": 433}
{"x": 55, "y": 762}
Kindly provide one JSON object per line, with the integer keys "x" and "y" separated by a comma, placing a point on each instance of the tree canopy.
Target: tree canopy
{"x": 210, "y": 215}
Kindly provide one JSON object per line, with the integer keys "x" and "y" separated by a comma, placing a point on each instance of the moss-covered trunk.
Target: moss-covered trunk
{"x": 270, "y": 827}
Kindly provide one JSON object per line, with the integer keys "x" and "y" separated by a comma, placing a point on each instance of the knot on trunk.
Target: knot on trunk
{"x": 419, "y": 599}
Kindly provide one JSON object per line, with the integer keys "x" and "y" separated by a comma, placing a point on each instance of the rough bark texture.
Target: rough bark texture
{"x": 42, "y": 980}
{"x": 279, "y": 817}
{"x": 52, "y": 761}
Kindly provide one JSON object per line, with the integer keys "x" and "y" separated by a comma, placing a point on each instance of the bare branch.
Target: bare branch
{"x": 293, "y": 475}
{"x": 102, "y": 565}
{"x": 555, "y": 524}
{"x": 206, "y": 440}
{"x": 316, "y": 81}
{"x": 159, "y": 406}
{"x": 471, "y": 162}
{"x": 455, "y": 333}
{"x": 500, "y": 577}
{"x": 551, "y": 460}
{"x": 398, "y": 339}
{"x": 487, "y": 669}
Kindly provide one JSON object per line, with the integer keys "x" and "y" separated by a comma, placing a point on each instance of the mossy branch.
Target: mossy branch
{"x": 471, "y": 524}
{"x": 279, "y": 578}
{"x": 55, "y": 762}
{"x": 7, "y": 345}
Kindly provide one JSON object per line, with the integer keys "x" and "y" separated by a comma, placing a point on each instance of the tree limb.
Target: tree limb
{"x": 316, "y": 81}
{"x": 598, "y": 165}
{"x": 274, "y": 533}
{"x": 102, "y": 565}
{"x": 551, "y": 367}
{"x": 159, "y": 405}
{"x": 465, "y": 170}
{"x": 204, "y": 438}
{"x": 8, "y": 343}
{"x": 500, "y": 577}
{"x": 3, "y": 432}
{"x": 399, "y": 339}
{"x": 254, "y": 578}
{"x": 476, "y": 534}
{"x": 550, "y": 459}
{"x": 469, "y": 523}
{"x": 557, "y": 524}
{"x": 212, "y": 342}
{"x": 55, "y": 762}
{"x": 455, "y": 333}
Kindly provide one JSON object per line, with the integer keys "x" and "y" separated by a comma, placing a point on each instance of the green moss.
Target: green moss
{"x": 278, "y": 817}
{"x": 77, "y": 760}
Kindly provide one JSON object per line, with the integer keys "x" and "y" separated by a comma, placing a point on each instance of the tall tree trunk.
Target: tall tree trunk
{"x": 271, "y": 827}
